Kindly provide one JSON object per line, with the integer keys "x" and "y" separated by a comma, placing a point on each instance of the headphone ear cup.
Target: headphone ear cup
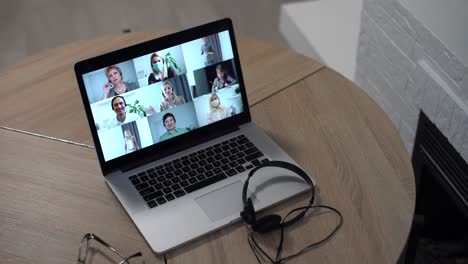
{"x": 267, "y": 223}
{"x": 248, "y": 215}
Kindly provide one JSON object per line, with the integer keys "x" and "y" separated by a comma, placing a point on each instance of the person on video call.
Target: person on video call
{"x": 222, "y": 79}
{"x": 131, "y": 143}
{"x": 169, "y": 123}
{"x": 207, "y": 52}
{"x": 160, "y": 69}
{"x": 116, "y": 85}
{"x": 217, "y": 111}
{"x": 170, "y": 99}
{"x": 119, "y": 106}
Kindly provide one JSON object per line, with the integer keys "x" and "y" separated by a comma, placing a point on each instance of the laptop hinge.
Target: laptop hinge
{"x": 180, "y": 147}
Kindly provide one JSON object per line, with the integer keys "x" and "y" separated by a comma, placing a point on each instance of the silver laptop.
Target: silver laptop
{"x": 174, "y": 137}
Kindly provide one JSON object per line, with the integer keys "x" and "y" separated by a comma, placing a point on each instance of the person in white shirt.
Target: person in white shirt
{"x": 119, "y": 106}
{"x": 131, "y": 143}
{"x": 217, "y": 112}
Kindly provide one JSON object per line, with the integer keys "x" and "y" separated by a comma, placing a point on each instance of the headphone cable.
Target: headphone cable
{"x": 259, "y": 252}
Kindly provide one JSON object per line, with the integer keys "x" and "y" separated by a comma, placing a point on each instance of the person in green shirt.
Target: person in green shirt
{"x": 169, "y": 122}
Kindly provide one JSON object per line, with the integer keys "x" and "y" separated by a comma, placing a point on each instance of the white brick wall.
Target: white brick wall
{"x": 404, "y": 68}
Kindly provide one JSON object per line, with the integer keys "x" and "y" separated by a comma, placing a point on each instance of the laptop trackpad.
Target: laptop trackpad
{"x": 222, "y": 202}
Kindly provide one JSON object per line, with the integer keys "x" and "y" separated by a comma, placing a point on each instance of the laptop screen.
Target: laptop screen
{"x": 148, "y": 99}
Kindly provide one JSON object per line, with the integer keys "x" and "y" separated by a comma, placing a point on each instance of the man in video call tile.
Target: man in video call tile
{"x": 169, "y": 122}
{"x": 207, "y": 52}
{"x": 119, "y": 106}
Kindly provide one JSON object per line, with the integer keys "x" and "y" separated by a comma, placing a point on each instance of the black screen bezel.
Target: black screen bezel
{"x": 167, "y": 147}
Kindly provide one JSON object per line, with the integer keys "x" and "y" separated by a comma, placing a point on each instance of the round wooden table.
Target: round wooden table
{"x": 52, "y": 192}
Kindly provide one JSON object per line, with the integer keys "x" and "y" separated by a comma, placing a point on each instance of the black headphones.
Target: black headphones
{"x": 272, "y": 222}
{"x": 118, "y": 96}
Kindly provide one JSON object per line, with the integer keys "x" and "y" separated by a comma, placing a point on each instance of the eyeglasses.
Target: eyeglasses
{"x": 84, "y": 248}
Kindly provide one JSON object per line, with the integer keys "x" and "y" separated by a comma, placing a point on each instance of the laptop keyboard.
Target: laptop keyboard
{"x": 192, "y": 172}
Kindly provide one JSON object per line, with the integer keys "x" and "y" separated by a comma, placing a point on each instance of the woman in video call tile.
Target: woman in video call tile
{"x": 170, "y": 99}
{"x": 222, "y": 79}
{"x": 116, "y": 86}
{"x": 131, "y": 143}
{"x": 169, "y": 122}
{"x": 160, "y": 69}
{"x": 217, "y": 112}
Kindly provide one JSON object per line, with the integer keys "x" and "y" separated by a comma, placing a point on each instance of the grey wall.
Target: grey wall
{"x": 405, "y": 68}
{"x": 446, "y": 19}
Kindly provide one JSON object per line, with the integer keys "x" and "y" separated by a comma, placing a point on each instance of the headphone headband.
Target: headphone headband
{"x": 249, "y": 211}
{"x": 279, "y": 164}
{"x": 273, "y": 221}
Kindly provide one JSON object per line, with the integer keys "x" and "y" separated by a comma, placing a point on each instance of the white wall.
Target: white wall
{"x": 325, "y": 30}
{"x": 102, "y": 112}
{"x": 145, "y": 132}
{"x": 192, "y": 54}
{"x": 112, "y": 143}
{"x": 448, "y": 20}
{"x": 226, "y": 46}
{"x": 405, "y": 68}
{"x": 143, "y": 64}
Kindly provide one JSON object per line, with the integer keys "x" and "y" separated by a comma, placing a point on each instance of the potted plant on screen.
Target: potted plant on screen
{"x": 137, "y": 108}
{"x": 171, "y": 62}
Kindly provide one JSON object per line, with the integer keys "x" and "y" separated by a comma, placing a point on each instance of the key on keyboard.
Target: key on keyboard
{"x": 196, "y": 170}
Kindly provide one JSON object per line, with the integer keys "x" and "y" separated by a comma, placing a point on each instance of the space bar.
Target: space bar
{"x": 206, "y": 182}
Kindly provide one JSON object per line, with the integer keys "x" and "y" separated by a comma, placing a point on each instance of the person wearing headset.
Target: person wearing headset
{"x": 119, "y": 106}
{"x": 160, "y": 69}
{"x": 169, "y": 122}
{"x": 116, "y": 85}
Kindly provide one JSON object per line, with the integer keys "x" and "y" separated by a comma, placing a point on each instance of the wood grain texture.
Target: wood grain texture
{"x": 347, "y": 142}
{"x": 52, "y": 192}
{"x": 40, "y": 93}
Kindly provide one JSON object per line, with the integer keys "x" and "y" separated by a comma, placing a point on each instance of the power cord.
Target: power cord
{"x": 47, "y": 137}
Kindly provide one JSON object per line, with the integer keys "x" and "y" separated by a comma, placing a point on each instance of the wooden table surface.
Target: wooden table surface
{"x": 52, "y": 192}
